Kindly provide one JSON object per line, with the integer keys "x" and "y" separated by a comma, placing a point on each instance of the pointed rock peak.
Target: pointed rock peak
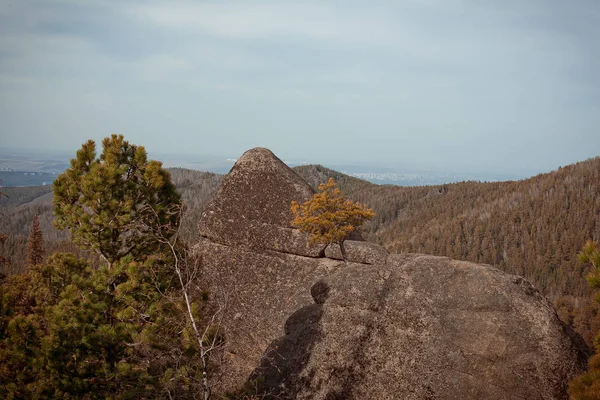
{"x": 261, "y": 187}
{"x": 252, "y": 206}
{"x": 258, "y": 157}
{"x": 260, "y": 162}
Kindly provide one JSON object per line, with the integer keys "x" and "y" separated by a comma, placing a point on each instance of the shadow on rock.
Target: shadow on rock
{"x": 279, "y": 375}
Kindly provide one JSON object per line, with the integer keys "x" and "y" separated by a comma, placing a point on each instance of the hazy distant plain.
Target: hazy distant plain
{"x": 47, "y": 164}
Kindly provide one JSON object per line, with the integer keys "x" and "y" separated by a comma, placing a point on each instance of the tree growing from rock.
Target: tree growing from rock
{"x": 587, "y": 386}
{"x": 329, "y": 216}
{"x": 102, "y": 201}
{"x": 35, "y": 243}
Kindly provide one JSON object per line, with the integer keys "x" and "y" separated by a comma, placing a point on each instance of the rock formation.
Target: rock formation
{"x": 300, "y": 323}
{"x": 252, "y": 207}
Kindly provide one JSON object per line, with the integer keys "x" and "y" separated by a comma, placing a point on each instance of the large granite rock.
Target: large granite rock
{"x": 252, "y": 206}
{"x": 260, "y": 289}
{"x": 301, "y": 325}
{"x": 422, "y": 327}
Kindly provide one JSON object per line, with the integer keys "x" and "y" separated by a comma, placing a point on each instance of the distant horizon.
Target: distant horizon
{"x": 337, "y": 161}
{"x": 374, "y": 172}
{"x": 224, "y": 155}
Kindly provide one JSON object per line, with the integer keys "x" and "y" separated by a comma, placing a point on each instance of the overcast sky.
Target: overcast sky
{"x": 489, "y": 85}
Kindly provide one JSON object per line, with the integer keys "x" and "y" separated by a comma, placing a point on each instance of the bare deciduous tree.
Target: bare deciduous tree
{"x": 188, "y": 267}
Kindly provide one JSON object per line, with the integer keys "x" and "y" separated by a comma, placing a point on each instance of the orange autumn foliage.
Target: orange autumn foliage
{"x": 329, "y": 216}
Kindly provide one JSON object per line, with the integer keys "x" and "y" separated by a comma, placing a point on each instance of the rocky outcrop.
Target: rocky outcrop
{"x": 260, "y": 289}
{"x": 422, "y": 327}
{"x": 300, "y": 323}
{"x": 252, "y": 207}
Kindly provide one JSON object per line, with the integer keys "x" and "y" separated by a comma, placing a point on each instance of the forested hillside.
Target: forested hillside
{"x": 23, "y": 203}
{"x": 533, "y": 227}
{"x": 196, "y": 189}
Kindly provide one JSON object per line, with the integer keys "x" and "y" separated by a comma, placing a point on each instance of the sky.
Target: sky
{"x": 448, "y": 84}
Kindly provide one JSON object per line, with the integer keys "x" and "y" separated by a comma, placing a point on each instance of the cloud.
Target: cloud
{"x": 159, "y": 67}
{"x": 251, "y": 22}
{"x": 408, "y": 73}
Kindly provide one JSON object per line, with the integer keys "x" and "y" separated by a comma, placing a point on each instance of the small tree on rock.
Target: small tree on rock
{"x": 329, "y": 216}
{"x": 35, "y": 244}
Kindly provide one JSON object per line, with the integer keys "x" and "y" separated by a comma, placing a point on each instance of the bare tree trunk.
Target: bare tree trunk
{"x": 186, "y": 267}
{"x": 199, "y": 336}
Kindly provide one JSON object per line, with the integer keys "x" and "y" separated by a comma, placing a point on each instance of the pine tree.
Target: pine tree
{"x": 35, "y": 244}
{"x": 115, "y": 204}
{"x": 329, "y": 216}
{"x": 126, "y": 329}
{"x": 119, "y": 330}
